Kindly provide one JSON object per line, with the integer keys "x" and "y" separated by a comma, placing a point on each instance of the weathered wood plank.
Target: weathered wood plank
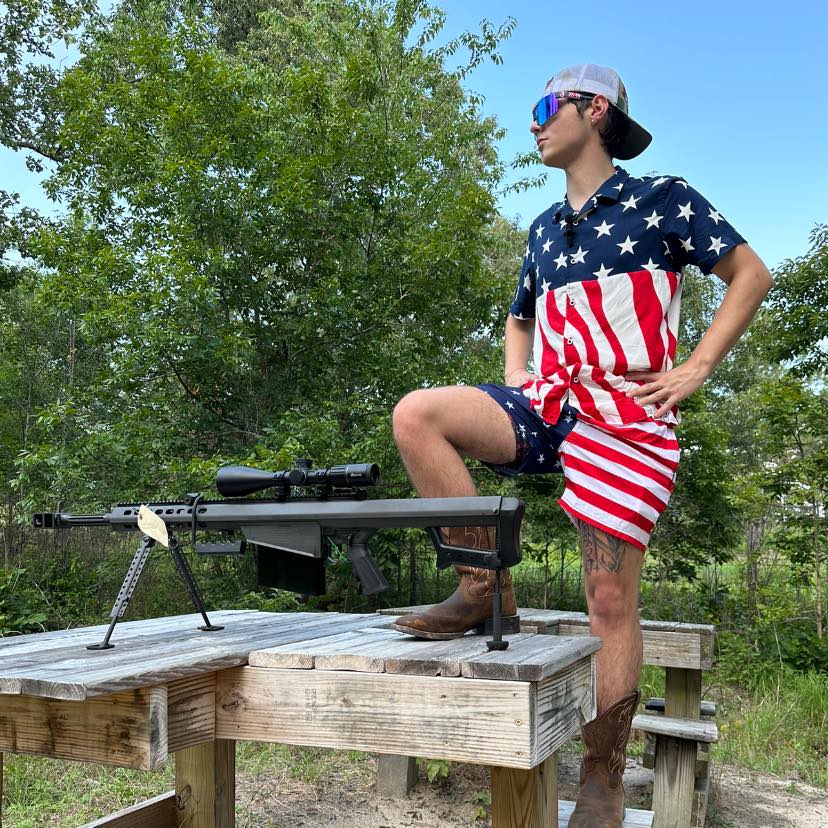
{"x": 674, "y": 782}
{"x": 533, "y": 658}
{"x": 633, "y": 818}
{"x": 128, "y": 729}
{"x": 205, "y": 785}
{"x": 525, "y": 798}
{"x": 484, "y": 722}
{"x": 370, "y": 650}
{"x": 563, "y": 703}
{"x": 666, "y": 643}
{"x": 358, "y": 645}
{"x": 35, "y": 645}
{"x": 191, "y": 712}
{"x": 553, "y": 617}
{"x": 675, "y": 762}
{"x": 695, "y": 730}
{"x": 662, "y": 648}
{"x": 78, "y": 673}
{"x": 158, "y": 812}
{"x": 366, "y": 654}
{"x": 438, "y": 658}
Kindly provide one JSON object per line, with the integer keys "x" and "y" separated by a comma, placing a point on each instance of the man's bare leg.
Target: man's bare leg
{"x": 612, "y": 569}
{"x": 434, "y": 428}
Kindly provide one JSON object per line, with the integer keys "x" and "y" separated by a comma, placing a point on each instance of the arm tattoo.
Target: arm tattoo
{"x": 600, "y": 550}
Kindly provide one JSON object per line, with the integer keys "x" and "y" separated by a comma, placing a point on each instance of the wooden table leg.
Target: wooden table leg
{"x": 675, "y": 768}
{"x": 396, "y": 775}
{"x": 205, "y": 785}
{"x": 526, "y": 798}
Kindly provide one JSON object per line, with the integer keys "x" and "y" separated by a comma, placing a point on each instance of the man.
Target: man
{"x": 599, "y": 293}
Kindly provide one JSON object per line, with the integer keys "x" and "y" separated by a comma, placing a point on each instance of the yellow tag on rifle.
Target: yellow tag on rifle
{"x": 153, "y": 525}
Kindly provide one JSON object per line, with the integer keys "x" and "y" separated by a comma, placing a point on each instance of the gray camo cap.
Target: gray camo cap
{"x": 601, "y": 80}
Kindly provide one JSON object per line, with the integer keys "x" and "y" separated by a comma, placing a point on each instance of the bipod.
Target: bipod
{"x": 139, "y": 561}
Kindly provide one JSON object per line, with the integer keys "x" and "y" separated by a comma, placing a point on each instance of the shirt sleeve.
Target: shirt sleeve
{"x": 694, "y": 232}
{"x": 523, "y": 304}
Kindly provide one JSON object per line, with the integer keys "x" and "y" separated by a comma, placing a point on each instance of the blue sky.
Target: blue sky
{"x": 734, "y": 94}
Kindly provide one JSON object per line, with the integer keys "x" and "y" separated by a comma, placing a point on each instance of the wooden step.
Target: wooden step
{"x": 702, "y": 756}
{"x": 632, "y": 819}
{"x": 693, "y": 730}
{"x": 158, "y": 812}
{"x": 656, "y": 705}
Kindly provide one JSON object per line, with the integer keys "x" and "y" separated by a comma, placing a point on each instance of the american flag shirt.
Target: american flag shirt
{"x": 604, "y": 287}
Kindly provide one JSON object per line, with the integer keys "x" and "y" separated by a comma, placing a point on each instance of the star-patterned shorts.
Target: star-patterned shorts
{"x": 618, "y": 478}
{"x": 537, "y": 442}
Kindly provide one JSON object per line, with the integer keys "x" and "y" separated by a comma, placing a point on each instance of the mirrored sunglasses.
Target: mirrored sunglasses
{"x": 548, "y": 105}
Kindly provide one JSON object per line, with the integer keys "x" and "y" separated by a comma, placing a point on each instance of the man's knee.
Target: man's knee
{"x": 610, "y": 599}
{"x": 412, "y": 415}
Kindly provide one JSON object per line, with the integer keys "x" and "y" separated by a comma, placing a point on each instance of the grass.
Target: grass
{"x": 42, "y": 792}
{"x": 781, "y": 728}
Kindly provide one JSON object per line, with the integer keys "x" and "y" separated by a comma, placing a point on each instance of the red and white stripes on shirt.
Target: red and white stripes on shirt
{"x": 589, "y": 334}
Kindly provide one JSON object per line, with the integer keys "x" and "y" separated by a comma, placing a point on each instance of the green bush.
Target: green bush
{"x": 20, "y": 605}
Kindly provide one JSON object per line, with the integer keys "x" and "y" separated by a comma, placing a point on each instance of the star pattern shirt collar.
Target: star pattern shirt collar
{"x": 609, "y": 192}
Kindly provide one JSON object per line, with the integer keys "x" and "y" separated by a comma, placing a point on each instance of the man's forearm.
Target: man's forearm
{"x": 517, "y": 345}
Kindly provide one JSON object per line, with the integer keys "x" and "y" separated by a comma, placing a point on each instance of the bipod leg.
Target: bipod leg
{"x": 139, "y": 561}
{"x": 190, "y": 582}
{"x": 497, "y": 642}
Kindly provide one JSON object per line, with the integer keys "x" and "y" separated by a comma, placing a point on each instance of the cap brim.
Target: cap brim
{"x": 637, "y": 140}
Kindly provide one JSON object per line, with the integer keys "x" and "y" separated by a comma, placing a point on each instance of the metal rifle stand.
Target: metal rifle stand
{"x": 139, "y": 561}
{"x": 497, "y": 642}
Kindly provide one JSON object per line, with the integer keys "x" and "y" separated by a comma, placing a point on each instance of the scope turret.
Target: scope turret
{"x": 240, "y": 481}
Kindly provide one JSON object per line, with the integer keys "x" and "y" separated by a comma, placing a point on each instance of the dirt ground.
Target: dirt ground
{"x": 346, "y": 799}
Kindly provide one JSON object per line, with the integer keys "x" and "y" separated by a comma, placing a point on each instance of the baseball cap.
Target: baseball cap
{"x": 601, "y": 80}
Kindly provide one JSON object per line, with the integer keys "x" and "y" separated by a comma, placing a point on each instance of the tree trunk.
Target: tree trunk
{"x": 755, "y": 530}
{"x": 412, "y": 573}
{"x": 562, "y": 576}
{"x": 817, "y": 570}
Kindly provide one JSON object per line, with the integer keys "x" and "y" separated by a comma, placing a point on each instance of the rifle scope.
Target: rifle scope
{"x": 239, "y": 481}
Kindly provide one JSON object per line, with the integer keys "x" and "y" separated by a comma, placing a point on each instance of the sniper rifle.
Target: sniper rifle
{"x": 309, "y": 513}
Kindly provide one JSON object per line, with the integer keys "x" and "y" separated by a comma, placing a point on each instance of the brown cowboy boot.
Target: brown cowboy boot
{"x": 600, "y": 801}
{"x": 470, "y": 607}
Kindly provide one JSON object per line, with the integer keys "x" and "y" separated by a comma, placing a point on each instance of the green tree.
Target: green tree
{"x": 795, "y": 325}
{"x": 266, "y": 249}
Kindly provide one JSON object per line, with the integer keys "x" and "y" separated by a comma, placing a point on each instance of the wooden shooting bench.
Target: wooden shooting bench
{"x": 679, "y": 727}
{"x": 332, "y": 680}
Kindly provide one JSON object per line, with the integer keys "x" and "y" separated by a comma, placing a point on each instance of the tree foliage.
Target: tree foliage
{"x": 263, "y": 250}
{"x": 277, "y": 217}
{"x": 796, "y": 327}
